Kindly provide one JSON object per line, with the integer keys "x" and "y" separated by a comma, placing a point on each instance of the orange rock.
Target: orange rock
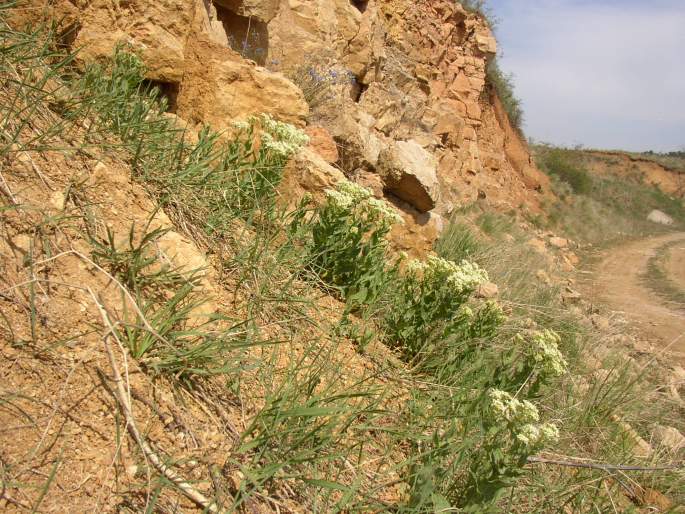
{"x": 321, "y": 142}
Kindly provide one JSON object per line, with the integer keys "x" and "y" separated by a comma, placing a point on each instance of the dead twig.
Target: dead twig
{"x": 602, "y": 466}
{"x": 5, "y": 189}
{"x": 121, "y": 397}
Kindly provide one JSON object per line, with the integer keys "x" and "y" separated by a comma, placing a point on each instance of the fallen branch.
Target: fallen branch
{"x": 602, "y": 466}
{"x": 122, "y": 399}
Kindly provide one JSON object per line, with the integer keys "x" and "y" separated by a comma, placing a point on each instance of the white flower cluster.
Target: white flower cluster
{"x": 544, "y": 351}
{"x": 382, "y": 211}
{"x": 467, "y": 276}
{"x": 521, "y": 416}
{"x": 282, "y": 139}
{"x": 504, "y": 407}
{"x": 356, "y": 192}
{"x": 538, "y": 435}
{"x": 349, "y": 195}
{"x": 283, "y": 131}
{"x": 460, "y": 277}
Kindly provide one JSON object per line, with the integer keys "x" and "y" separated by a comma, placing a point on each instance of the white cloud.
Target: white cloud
{"x": 607, "y": 74}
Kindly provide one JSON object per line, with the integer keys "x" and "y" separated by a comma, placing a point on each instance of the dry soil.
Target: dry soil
{"x": 618, "y": 282}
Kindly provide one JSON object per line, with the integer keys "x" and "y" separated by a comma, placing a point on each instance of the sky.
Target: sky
{"x": 604, "y": 74}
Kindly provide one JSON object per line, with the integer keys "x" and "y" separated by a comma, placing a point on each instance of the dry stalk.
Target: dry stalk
{"x": 5, "y": 189}
{"x": 121, "y": 397}
{"x": 602, "y": 466}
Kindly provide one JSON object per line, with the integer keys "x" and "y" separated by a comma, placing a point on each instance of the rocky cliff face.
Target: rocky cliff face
{"x": 393, "y": 92}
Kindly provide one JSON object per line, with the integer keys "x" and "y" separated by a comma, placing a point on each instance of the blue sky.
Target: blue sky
{"x": 604, "y": 74}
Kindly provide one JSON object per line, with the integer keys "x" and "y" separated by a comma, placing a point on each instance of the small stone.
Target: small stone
{"x": 659, "y": 217}
{"x": 669, "y": 437}
{"x": 558, "y": 242}
{"x": 571, "y": 296}
{"x": 600, "y": 322}
{"x": 57, "y": 200}
{"x": 487, "y": 290}
{"x": 538, "y": 245}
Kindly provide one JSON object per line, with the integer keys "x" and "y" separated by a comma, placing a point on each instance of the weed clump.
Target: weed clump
{"x": 429, "y": 304}
{"x": 561, "y": 164}
{"x": 503, "y": 85}
{"x": 348, "y": 243}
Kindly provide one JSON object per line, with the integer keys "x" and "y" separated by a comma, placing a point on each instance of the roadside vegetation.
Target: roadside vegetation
{"x": 449, "y": 402}
{"x": 601, "y": 210}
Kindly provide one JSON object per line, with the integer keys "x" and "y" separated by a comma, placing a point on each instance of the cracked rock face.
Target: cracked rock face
{"x": 399, "y": 85}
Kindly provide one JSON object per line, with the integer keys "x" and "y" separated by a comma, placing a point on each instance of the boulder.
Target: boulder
{"x": 657, "y": 216}
{"x": 156, "y": 31}
{"x": 308, "y": 172}
{"x": 410, "y": 173}
{"x": 220, "y": 87}
{"x": 359, "y": 145}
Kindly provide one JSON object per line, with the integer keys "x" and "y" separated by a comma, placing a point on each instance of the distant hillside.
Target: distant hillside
{"x": 666, "y": 171}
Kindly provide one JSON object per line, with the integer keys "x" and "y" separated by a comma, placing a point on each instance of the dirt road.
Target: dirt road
{"x": 617, "y": 282}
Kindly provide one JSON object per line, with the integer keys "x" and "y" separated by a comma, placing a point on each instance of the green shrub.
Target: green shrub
{"x": 565, "y": 166}
{"x": 503, "y": 85}
{"x": 429, "y": 304}
{"x": 348, "y": 242}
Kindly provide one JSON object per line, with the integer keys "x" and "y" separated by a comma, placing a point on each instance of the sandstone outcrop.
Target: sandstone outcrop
{"x": 220, "y": 87}
{"x": 396, "y": 88}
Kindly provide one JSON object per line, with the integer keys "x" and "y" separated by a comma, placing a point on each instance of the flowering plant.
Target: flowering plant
{"x": 258, "y": 152}
{"x": 511, "y": 432}
{"x": 533, "y": 359}
{"x": 430, "y": 305}
{"x": 348, "y": 243}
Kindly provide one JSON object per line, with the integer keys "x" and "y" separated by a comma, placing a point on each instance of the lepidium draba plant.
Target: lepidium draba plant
{"x": 430, "y": 304}
{"x": 348, "y": 242}
{"x": 533, "y": 360}
{"x": 512, "y": 432}
{"x": 259, "y": 150}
